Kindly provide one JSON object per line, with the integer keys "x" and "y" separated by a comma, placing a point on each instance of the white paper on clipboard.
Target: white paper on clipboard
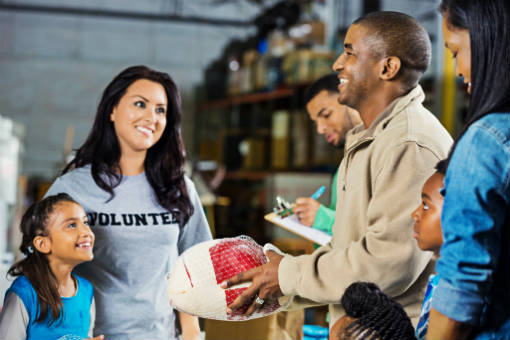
{"x": 292, "y": 224}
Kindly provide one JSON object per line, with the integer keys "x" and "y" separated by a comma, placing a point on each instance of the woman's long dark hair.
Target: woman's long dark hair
{"x": 378, "y": 316}
{"x": 164, "y": 163}
{"x": 488, "y": 23}
{"x": 35, "y": 265}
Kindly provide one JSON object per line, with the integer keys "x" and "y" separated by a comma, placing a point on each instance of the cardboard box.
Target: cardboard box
{"x": 300, "y": 139}
{"x": 308, "y": 32}
{"x": 280, "y": 326}
{"x": 280, "y": 140}
{"x": 255, "y": 153}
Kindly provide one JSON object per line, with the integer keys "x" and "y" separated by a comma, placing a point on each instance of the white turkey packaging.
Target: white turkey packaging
{"x": 194, "y": 283}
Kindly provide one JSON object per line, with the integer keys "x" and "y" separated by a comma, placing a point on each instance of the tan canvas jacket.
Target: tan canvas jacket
{"x": 379, "y": 185}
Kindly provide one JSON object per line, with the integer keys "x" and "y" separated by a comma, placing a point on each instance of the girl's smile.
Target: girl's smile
{"x": 70, "y": 239}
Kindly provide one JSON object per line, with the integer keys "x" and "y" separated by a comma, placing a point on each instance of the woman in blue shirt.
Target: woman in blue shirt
{"x": 471, "y": 298}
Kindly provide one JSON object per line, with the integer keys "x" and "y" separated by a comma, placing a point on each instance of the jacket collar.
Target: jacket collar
{"x": 359, "y": 134}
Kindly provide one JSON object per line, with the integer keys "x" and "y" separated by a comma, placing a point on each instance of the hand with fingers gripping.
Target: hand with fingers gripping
{"x": 306, "y": 209}
{"x": 265, "y": 285}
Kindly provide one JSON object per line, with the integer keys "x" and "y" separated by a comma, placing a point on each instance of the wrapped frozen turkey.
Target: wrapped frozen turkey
{"x": 194, "y": 283}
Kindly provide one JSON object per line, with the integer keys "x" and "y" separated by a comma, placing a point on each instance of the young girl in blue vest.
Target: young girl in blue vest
{"x": 47, "y": 300}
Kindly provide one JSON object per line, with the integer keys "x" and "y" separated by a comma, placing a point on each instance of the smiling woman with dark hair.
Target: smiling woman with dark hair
{"x": 129, "y": 177}
{"x": 471, "y": 298}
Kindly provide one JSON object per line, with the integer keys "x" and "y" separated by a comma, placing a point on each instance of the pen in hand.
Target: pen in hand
{"x": 284, "y": 209}
{"x": 318, "y": 193}
{"x": 306, "y": 208}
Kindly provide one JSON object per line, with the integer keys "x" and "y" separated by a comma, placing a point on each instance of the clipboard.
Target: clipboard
{"x": 292, "y": 224}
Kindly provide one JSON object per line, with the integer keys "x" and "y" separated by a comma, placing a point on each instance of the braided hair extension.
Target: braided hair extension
{"x": 377, "y": 315}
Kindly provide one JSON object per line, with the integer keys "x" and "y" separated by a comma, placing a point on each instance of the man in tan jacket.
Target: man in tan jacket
{"x": 387, "y": 159}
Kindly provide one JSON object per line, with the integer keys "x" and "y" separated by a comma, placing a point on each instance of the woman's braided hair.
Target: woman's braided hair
{"x": 377, "y": 315}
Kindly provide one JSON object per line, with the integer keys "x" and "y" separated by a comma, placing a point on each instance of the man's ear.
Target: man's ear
{"x": 390, "y": 68}
{"x": 42, "y": 244}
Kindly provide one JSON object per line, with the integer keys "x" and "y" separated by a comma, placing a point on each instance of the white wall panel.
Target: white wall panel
{"x": 54, "y": 66}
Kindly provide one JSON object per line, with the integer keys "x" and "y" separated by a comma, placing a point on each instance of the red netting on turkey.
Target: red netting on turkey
{"x": 194, "y": 284}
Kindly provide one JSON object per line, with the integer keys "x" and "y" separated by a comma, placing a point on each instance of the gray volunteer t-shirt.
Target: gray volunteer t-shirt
{"x": 137, "y": 242}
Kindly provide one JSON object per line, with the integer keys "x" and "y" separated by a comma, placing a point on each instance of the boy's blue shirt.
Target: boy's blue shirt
{"x": 423, "y": 323}
{"x": 475, "y": 258}
{"x": 75, "y": 321}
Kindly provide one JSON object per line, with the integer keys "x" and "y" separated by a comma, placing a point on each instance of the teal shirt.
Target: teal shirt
{"x": 75, "y": 320}
{"x": 325, "y": 217}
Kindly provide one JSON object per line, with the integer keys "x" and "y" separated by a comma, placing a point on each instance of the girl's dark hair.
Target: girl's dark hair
{"x": 35, "y": 265}
{"x": 488, "y": 23}
{"x": 164, "y": 163}
{"x": 377, "y": 315}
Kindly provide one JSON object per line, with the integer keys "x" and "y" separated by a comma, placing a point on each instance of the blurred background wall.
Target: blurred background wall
{"x": 54, "y": 65}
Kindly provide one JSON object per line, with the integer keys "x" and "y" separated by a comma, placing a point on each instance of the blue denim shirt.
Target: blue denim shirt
{"x": 475, "y": 258}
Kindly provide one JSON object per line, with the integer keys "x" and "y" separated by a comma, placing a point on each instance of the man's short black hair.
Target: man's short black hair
{"x": 441, "y": 166}
{"x": 400, "y": 35}
{"x": 328, "y": 82}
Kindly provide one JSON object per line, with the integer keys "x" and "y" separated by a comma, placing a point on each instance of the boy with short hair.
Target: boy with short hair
{"x": 428, "y": 234}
